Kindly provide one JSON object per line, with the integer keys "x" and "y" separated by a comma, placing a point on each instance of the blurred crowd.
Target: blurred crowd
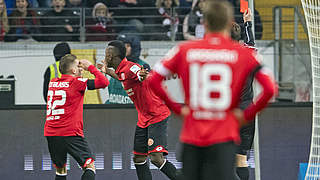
{"x": 102, "y": 20}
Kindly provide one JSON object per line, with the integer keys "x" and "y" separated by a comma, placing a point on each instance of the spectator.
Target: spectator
{"x": 44, "y": 3}
{"x": 75, "y": 6}
{"x": 170, "y": 18}
{"x": 24, "y": 23}
{"x": 92, "y": 3}
{"x": 193, "y": 23}
{"x": 4, "y": 25}
{"x": 101, "y": 22}
{"x": 76, "y": 3}
{"x": 131, "y": 20}
{"x": 10, "y": 5}
{"x": 60, "y": 24}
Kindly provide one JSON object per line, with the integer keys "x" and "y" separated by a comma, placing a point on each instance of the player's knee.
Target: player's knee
{"x": 139, "y": 158}
{"x": 241, "y": 160}
{"x": 157, "y": 159}
{"x": 61, "y": 171}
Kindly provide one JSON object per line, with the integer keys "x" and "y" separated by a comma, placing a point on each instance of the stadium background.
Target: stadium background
{"x": 284, "y": 128}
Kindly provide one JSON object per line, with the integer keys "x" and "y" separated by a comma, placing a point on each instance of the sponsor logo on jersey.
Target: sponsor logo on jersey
{"x": 135, "y": 69}
{"x": 53, "y": 118}
{"x": 59, "y": 84}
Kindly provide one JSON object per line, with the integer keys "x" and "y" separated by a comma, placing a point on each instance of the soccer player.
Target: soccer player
{"x": 151, "y": 130}
{"x": 64, "y": 122}
{"x": 213, "y": 71}
{"x": 246, "y": 98}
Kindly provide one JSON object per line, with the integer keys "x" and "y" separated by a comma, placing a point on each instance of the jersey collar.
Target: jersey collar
{"x": 121, "y": 65}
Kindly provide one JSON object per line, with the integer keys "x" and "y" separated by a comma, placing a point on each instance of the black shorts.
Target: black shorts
{"x": 76, "y": 146}
{"x": 211, "y": 162}
{"x": 151, "y": 139}
{"x": 246, "y": 135}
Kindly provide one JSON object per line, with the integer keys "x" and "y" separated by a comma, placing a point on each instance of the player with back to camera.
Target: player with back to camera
{"x": 213, "y": 71}
{"x": 64, "y": 122}
{"x": 151, "y": 130}
{"x": 246, "y": 98}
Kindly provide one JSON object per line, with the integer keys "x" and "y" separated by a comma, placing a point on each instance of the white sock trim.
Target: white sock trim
{"x": 64, "y": 174}
{"x": 165, "y": 160}
{"x": 142, "y": 163}
{"x": 91, "y": 169}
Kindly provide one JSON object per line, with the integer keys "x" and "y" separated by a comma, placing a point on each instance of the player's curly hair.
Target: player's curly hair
{"x": 236, "y": 31}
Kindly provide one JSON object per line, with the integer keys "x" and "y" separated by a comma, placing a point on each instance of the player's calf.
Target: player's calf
{"x": 242, "y": 166}
{"x": 61, "y": 173}
{"x": 164, "y": 165}
{"x": 142, "y": 167}
{"x": 89, "y": 171}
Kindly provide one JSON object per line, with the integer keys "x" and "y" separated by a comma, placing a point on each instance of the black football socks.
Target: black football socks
{"x": 169, "y": 169}
{"x": 143, "y": 171}
{"x": 88, "y": 174}
{"x": 243, "y": 173}
{"x": 58, "y": 177}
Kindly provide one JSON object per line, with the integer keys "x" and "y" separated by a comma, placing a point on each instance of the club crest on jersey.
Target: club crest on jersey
{"x": 159, "y": 148}
{"x": 135, "y": 69}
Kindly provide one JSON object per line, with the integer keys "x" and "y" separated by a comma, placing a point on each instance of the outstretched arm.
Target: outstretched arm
{"x": 247, "y": 18}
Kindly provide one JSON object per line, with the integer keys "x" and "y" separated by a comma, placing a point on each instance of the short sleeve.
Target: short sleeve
{"x": 169, "y": 64}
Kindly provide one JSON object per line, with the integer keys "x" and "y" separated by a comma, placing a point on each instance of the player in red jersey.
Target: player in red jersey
{"x": 64, "y": 122}
{"x": 151, "y": 130}
{"x": 213, "y": 71}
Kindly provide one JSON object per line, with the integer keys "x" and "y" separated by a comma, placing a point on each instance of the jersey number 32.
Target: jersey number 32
{"x": 53, "y": 104}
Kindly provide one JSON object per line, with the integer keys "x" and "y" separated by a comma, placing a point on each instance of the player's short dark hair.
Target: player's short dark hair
{"x": 235, "y": 31}
{"x": 60, "y": 50}
{"x": 66, "y": 62}
{"x": 120, "y": 47}
{"x": 218, "y": 15}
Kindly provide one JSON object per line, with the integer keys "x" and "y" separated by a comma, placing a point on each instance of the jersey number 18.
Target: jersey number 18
{"x": 202, "y": 86}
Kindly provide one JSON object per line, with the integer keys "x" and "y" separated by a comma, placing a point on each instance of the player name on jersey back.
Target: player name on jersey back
{"x": 59, "y": 84}
{"x": 222, "y": 55}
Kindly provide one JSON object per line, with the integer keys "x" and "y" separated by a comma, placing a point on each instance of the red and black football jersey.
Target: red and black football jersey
{"x": 151, "y": 109}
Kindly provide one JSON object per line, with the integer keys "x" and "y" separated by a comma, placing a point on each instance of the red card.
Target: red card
{"x": 243, "y": 5}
